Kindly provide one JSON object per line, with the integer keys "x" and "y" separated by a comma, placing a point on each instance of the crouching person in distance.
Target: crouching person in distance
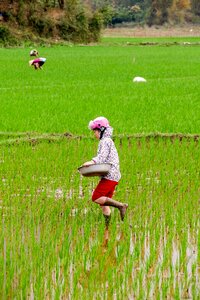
{"x": 37, "y": 63}
{"x": 106, "y": 153}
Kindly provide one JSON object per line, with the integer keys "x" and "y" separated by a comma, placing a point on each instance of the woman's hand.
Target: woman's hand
{"x": 88, "y": 163}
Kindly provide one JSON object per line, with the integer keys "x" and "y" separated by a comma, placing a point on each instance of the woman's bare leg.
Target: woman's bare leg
{"x": 107, "y": 214}
{"x": 105, "y": 201}
{"x": 106, "y": 210}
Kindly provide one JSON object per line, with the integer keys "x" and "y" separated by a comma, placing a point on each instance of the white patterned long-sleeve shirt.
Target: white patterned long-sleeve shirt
{"x": 107, "y": 153}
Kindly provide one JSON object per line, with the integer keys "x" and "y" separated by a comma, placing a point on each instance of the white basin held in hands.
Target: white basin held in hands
{"x": 94, "y": 170}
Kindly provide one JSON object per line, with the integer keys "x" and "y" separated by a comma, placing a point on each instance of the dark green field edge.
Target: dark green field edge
{"x": 167, "y": 44}
{"x": 150, "y": 41}
{"x": 164, "y": 44}
{"x": 14, "y": 138}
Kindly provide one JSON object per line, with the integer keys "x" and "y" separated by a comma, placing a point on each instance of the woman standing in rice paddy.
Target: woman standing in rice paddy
{"x": 107, "y": 153}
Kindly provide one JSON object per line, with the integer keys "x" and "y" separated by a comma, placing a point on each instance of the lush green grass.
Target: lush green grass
{"x": 80, "y": 83}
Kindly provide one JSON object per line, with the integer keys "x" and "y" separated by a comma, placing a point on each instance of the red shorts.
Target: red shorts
{"x": 104, "y": 188}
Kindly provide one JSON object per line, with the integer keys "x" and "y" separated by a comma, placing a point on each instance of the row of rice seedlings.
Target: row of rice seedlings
{"x": 53, "y": 236}
{"x": 175, "y": 209}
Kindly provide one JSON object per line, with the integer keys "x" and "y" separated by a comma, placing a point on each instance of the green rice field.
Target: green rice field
{"x": 80, "y": 82}
{"x": 53, "y": 240}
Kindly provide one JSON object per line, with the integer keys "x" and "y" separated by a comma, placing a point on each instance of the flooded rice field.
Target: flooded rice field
{"x": 53, "y": 238}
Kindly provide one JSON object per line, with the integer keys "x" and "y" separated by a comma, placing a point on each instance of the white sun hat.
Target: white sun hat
{"x": 139, "y": 79}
